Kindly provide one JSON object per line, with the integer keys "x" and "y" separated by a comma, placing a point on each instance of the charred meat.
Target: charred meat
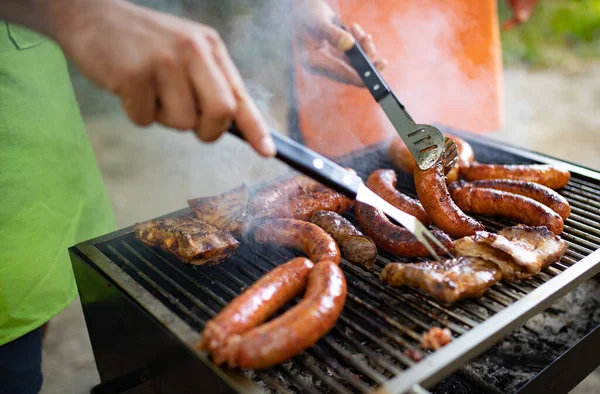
{"x": 191, "y": 240}
{"x": 225, "y": 211}
{"x": 448, "y": 281}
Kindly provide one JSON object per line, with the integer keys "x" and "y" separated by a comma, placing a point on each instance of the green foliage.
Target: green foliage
{"x": 559, "y": 31}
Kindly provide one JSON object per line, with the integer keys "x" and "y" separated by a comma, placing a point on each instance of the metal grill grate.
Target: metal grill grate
{"x": 380, "y": 326}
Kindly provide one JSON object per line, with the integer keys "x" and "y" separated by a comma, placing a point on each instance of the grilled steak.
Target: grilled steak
{"x": 188, "y": 238}
{"x": 225, "y": 211}
{"x": 449, "y": 281}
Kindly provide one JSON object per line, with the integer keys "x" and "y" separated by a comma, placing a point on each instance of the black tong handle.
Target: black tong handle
{"x": 312, "y": 164}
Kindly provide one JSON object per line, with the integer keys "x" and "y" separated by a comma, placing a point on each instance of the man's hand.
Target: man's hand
{"x": 322, "y": 42}
{"x": 164, "y": 68}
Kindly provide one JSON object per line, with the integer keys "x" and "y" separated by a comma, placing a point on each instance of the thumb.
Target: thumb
{"x": 338, "y": 37}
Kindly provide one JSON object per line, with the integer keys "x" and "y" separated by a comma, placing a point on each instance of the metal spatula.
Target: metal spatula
{"x": 425, "y": 142}
{"x": 348, "y": 183}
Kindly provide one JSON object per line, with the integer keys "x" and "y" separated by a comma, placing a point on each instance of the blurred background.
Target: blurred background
{"x": 552, "y": 96}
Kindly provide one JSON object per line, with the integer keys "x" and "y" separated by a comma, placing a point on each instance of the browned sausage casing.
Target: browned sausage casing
{"x": 297, "y": 329}
{"x": 256, "y": 304}
{"x": 443, "y": 212}
{"x": 383, "y": 183}
{"x": 297, "y": 234}
{"x": 547, "y": 175}
{"x": 391, "y": 238}
{"x": 356, "y": 247}
{"x": 511, "y": 206}
{"x": 535, "y": 191}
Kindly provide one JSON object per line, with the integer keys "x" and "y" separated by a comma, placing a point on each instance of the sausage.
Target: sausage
{"x": 391, "y": 238}
{"x": 518, "y": 208}
{"x": 256, "y": 304}
{"x": 403, "y": 160}
{"x": 356, "y": 247}
{"x": 303, "y": 207}
{"x": 466, "y": 156}
{"x": 443, "y": 212}
{"x": 547, "y": 175}
{"x": 297, "y": 234}
{"x": 297, "y": 329}
{"x": 535, "y": 191}
{"x": 383, "y": 183}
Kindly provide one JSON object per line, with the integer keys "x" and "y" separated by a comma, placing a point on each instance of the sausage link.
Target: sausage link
{"x": 383, "y": 183}
{"x": 443, "y": 212}
{"x": 535, "y": 191}
{"x": 297, "y": 329}
{"x": 297, "y": 234}
{"x": 255, "y": 305}
{"x": 547, "y": 175}
{"x": 518, "y": 208}
{"x": 391, "y": 238}
{"x": 356, "y": 247}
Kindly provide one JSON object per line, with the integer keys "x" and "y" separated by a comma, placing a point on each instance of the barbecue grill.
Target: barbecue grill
{"x": 144, "y": 310}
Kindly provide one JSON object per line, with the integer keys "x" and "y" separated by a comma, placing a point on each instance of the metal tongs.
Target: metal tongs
{"x": 348, "y": 183}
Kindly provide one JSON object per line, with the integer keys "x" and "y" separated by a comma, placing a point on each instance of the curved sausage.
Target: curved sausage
{"x": 520, "y": 209}
{"x": 256, "y": 304}
{"x": 356, "y": 247}
{"x": 443, "y": 212}
{"x": 297, "y": 234}
{"x": 535, "y": 191}
{"x": 383, "y": 183}
{"x": 547, "y": 175}
{"x": 403, "y": 160}
{"x": 297, "y": 329}
{"x": 391, "y": 238}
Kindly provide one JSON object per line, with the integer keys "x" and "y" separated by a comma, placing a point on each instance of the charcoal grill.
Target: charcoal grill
{"x": 144, "y": 309}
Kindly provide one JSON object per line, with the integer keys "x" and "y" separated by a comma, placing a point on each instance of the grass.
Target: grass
{"x": 559, "y": 32}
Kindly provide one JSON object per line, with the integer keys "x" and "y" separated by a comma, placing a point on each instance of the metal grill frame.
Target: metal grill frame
{"x": 425, "y": 373}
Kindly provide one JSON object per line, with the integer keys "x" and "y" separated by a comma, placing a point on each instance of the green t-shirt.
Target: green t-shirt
{"x": 51, "y": 192}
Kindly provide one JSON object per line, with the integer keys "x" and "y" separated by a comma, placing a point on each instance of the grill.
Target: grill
{"x": 123, "y": 283}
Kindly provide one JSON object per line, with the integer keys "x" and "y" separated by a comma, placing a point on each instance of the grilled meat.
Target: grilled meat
{"x": 436, "y": 338}
{"x": 297, "y": 234}
{"x": 392, "y": 238}
{"x": 535, "y": 191}
{"x": 188, "y": 238}
{"x": 449, "y": 281}
{"x": 520, "y": 251}
{"x": 226, "y": 211}
{"x": 441, "y": 209}
{"x": 491, "y": 202}
{"x": 355, "y": 247}
{"x": 383, "y": 183}
{"x": 547, "y": 175}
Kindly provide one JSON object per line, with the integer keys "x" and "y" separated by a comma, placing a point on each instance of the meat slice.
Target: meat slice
{"x": 520, "y": 251}
{"x": 190, "y": 239}
{"x": 448, "y": 281}
{"x": 226, "y": 211}
{"x": 548, "y": 247}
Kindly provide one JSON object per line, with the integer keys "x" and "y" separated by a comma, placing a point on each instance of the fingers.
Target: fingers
{"x": 325, "y": 63}
{"x": 138, "y": 98}
{"x": 247, "y": 116}
{"x": 215, "y": 97}
{"x": 365, "y": 40}
{"x": 177, "y": 102}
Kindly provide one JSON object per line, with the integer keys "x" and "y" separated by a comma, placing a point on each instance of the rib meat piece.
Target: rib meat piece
{"x": 226, "y": 211}
{"x": 449, "y": 281}
{"x": 190, "y": 239}
{"x": 520, "y": 251}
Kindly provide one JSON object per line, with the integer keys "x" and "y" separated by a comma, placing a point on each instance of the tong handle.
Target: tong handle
{"x": 367, "y": 72}
{"x": 312, "y": 164}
